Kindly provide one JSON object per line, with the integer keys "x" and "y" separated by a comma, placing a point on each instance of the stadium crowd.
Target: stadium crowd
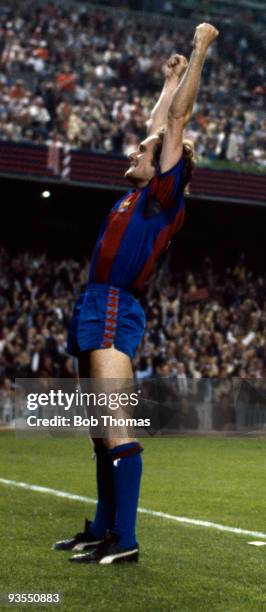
{"x": 203, "y": 324}
{"x": 90, "y": 78}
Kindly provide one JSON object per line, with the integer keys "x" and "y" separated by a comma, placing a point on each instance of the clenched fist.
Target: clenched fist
{"x": 176, "y": 66}
{"x": 205, "y": 34}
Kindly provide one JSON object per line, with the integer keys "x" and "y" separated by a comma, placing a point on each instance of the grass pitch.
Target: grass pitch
{"x": 183, "y": 568}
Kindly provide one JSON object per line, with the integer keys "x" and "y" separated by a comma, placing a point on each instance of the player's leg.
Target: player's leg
{"x": 123, "y": 456}
{"x": 107, "y": 364}
{"x": 104, "y": 364}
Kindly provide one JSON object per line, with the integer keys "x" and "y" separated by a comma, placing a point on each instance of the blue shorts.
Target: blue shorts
{"x": 106, "y": 316}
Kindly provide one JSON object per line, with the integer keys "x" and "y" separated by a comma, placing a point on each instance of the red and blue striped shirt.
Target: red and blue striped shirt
{"x": 138, "y": 230}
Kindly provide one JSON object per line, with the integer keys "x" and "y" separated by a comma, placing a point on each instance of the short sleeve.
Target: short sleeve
{"x": 166, "y": 187}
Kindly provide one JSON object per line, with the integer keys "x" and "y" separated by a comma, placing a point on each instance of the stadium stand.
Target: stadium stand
{"x": 83, "y": 81}
{"x": 88, "y": 78}
{"x": 205, "y": 324}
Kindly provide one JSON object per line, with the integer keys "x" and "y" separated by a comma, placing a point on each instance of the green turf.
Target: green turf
{"x": 182, "y": 568}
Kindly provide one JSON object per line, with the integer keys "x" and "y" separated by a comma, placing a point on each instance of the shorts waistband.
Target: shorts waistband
{"x": 106, "y": 288}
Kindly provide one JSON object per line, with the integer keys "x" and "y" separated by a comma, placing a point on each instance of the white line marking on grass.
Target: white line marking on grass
{"x": 55, "y": 492}
{"x": 170, "y": 517}
{"x": 257, "y": 543}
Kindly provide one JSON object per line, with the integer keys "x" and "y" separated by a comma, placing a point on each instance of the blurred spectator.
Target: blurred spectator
{"x": 7, "y": 401}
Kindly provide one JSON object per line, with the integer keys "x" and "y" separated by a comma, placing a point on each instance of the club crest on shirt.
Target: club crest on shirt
{"x": 125, "y": 204}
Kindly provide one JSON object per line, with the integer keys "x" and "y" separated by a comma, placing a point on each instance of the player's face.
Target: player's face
{"x": 142, "y": 169}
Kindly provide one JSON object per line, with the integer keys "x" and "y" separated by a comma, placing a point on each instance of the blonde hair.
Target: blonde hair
{"x": 189, "y": 158}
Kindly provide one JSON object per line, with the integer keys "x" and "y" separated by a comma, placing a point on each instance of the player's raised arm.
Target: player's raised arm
{"x": 175, "y": 68}
{"x": 184, "y": 97}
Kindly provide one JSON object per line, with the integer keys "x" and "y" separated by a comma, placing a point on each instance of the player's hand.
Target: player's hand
{"x": 175, "y": 67}
{"x": 205, "y": 34}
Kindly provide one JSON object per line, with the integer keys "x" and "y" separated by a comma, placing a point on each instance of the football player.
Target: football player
{"x": 108, "y": 321}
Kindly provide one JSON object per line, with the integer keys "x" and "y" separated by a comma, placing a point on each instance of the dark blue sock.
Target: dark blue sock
{"x": 127, "y": 469}
{"x": 105, "y": 511}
